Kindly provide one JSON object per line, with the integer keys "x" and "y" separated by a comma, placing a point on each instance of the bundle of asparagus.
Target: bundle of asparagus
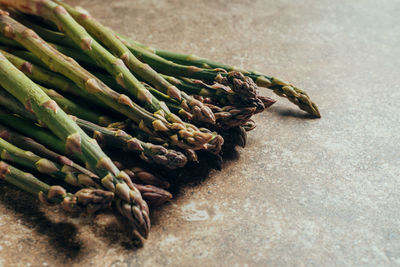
{"x": 71, "y": 87}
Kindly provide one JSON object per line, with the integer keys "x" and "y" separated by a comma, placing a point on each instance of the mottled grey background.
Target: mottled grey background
{"x": 304, "y": 192}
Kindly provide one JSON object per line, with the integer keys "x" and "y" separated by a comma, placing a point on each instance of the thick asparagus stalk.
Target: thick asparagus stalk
{"x": 90, "y": 200}
{"x": 185, "y": 136}
{"x": 28, "y": 159}
{"x": 130, "y": 202}
{"x": 46, "y": 77}
{"x": 281, "y": 88}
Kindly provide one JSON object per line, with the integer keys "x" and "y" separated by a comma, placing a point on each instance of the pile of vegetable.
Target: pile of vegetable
{"x": 72, "y": 88}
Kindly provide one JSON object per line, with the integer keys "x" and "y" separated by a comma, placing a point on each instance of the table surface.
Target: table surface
{"x": 304, "y": 191}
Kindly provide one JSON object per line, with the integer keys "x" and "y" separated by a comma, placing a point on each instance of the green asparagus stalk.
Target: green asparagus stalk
{"x": 90, "y": 200}
{"x": 279, "y": 87}
{"x": 185, "y": 136}
{"x": 51, "y": 36}
{"x": 77, "y": 110}
{"x": 28, "y": 143}
{"x": 130, "y": 202}
{"x": 28, "y": 159}
{"x": 149, "y": 152}
{"x": 220, "y": 93}
{"x": 46, "y": 77}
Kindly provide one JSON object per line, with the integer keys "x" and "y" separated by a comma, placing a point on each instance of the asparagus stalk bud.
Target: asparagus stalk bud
{"x": 139, "y": 175}
{"x": 154, "y": 195}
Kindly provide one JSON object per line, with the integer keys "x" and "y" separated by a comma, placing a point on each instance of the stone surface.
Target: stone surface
{"x": 303, "y": 191}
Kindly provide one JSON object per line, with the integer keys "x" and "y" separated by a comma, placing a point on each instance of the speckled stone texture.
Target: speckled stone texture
{"x": 303, "y": 192}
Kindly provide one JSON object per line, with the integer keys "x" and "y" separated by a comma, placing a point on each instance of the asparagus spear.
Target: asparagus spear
{"x": 130, "y": 202}
{"x": 185, "y": 136}
{"x": 90, "y": 200}
{"x": 143, "y": 176}
{"x": 28, "y": 159}
{"x": 149, "y": 152}
{"x": 154, "y": 195}
{"x": 279, "y": 87}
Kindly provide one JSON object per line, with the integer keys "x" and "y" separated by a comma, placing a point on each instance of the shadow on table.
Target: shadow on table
{"x": 66, "y": 242}
{"x": 62, "y": 236}
{"x": 292, "y": 112}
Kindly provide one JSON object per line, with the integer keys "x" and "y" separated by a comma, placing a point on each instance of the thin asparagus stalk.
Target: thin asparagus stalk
{"x": 107, "y": 37}
{"x": 185, "y": 136}
{"x": 77, "y": 110}
{"x": 90, "y": 200}
{"x": 51, "y": 36}
{"x": 218, "y": 92}
{"x": 35, "y": 132}
{"x": 281, "y": 88}
{"x": 66, "y": 104}
{"x": 28, "y": 143}
{"x": 149, "y": 152}
{"x": 129, "y": 201}
{"x": 28, "y": 159}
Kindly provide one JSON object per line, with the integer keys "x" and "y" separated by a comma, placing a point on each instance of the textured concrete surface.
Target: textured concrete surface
{"x": 303, "y": 192}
